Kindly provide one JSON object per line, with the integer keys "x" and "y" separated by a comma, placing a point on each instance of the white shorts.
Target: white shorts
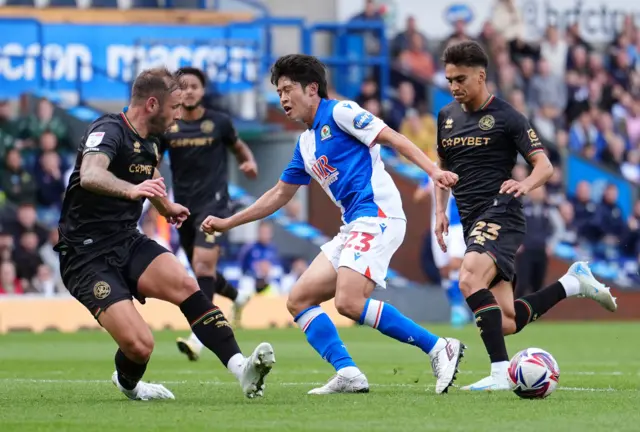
{"x": 366, "y": 245}
{"x": 456, "y": 246}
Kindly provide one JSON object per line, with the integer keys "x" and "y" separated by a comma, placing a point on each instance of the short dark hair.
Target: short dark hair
{"x": 157, "y": 82}
{"x": 467, "y": 53}
{"x": 303, "y": 69}
{"x": 188, "y": 70}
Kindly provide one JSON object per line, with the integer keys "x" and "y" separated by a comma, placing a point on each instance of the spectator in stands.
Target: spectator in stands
{"x": 631, "y": 167}
{"x": 298, "y": 266}
{"x": 372, "y": 13}
{"x": 459, "y": 35}
{"x": 402, "y": 40}
{"x": 27, "y": 259}
{"x": 16, "y": 182}
{"x": 632, "y": 122}
{"x": 612, "y": 156}
{"x": 566, "y": 232}
{"x": 9, "y": 283}
{"x": 404, "y": 102}
{"x": 33, "y": 126}
{"x": 585, "y": 213}
{"x": 548, "y": 91}
{"x": 8, "y": 130}
{"x": 578, "y": 60}
{"x": 48, "y": 141}
{"x": 51, "y": 259}
{"x": 555, "y": 189}
{"x": 609, "y": 217}
{"x": 26, "y": 221}
{"x": 573, "y": 37}
{"x": 554, "y": 50}
{"x": 509, "y": 79}
{"x": 421, "y": 129}
{"x": 631, "y": 240}
{"x": 6, "y": 246}
{"x": 532, "y": 258}
{"x": 517, "y": 100}
{"x": 621, "y": 69}
{"x": 49, "y": 180}
{"x": 368, "y": 90}
{"x": 416, "y": 60}
{"x": 258, "y": 259}
{"x": 582, "y": 133}
{"x": 44, "y": 282}
{"x": 507, "y": 20}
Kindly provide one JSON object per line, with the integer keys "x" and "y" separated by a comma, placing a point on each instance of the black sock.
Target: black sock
{"x": 207, "y": 285}
{"x": 489, "y": 320}
{"x": 224, "y": 288}
{"x": 129, "y": 372}
{"x": 210, "y": 326}
{"x": 531, "y": 307}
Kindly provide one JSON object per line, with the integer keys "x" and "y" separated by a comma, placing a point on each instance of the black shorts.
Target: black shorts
{"x": 99, "y": 276}
{"x": 190, "y": 234}
{"x": 498, "y": 232}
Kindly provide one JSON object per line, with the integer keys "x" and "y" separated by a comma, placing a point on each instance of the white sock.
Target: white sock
{"x": 571, "y": 285}
{"x": 236, "y": 365}
{"x": 195, "y": 341}
{"x": 349, "y": 372}
{"x": 499, "y": 369}
{"x": 438, "y": 347}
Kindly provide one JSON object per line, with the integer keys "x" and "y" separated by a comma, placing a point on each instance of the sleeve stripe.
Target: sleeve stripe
{"x": 375, "y": 139}
{"x": 534, "y": 151}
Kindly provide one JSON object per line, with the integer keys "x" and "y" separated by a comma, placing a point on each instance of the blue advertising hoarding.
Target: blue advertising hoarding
{"x": 103, "y": 59}
{"x": 578, "y": 169}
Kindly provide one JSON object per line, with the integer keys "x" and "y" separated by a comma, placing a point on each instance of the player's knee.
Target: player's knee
{"x": 348, "y": 306}
{"x": 204, "y": 267}
{"x": 138, "y": 347}
{"x": 468, "y": 282}
{"x": 296, "y": 304}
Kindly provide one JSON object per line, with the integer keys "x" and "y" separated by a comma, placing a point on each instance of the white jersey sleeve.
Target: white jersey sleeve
{"x": 358, "y": 122}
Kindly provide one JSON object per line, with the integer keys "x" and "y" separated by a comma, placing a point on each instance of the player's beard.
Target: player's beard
{"x": 158, "y": 124}
{"x": 192, "y": 107}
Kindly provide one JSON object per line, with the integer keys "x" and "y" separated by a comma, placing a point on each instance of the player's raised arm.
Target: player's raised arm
{"x": 99, "y": 148}
{"x": 370, "y": 130}
{"x": 530, "y": 147}
{"x": 275, "y": 198}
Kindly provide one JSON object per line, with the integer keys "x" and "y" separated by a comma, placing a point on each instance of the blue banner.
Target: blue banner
{"x": 578, "y": 169}
{"x": 102, "y": 60}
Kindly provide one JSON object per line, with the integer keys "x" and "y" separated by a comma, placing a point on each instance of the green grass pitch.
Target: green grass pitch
{"x": 61, "y": 382}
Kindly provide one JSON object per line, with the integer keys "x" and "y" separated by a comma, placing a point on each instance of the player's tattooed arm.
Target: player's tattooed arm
{"x": 96, "y": 177}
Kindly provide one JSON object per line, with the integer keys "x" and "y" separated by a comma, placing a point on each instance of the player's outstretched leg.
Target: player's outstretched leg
{"x": 577, "y": 282}
{"x": 135, "y": 342}
{"x": 166, "y": 279}
{"x": 477, "y": 272}
{"x": 315, "y": 286}
{"x": 352, "y": 300}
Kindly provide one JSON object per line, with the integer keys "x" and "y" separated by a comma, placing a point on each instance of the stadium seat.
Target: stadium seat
{"x": 108, "y": 4}
{"x": 20, "y": 3}
{"x": 63, "y": 3}
{"x": 145, "y": 4}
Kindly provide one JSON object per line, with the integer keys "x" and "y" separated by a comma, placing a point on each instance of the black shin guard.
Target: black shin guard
{"x": 129, "y": 372}
{"x": 489, "y": 321}
{"x": 210, "y": 326}
{"x": 207, "y": 285}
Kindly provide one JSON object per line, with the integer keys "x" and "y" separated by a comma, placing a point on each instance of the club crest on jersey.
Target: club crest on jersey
{"x": 325, "y": 173}
{"x": 325, "y": 133}
{"x": 362, "y": 120}
{"x": 449, "y": 123}
{"x": 207, "y": 126}
{"x": 487, "y": 122}
{"x": 136, "y": 147}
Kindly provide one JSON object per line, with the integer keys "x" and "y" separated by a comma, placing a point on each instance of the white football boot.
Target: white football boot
{"x": 256, "y": 367}
{"x": 190, "y": 347}
{"x": 590, "y": 287}
{"x": 143, "y": 391}
{"x": 343, "y": 382}
{"x": 445, "y": 364}
{"x": 494, "y": 382}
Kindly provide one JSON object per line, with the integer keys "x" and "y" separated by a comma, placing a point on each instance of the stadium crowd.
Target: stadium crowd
{"x": 580, "y": 98}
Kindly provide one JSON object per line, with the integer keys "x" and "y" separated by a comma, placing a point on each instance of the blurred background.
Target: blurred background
{"x": 572, "y": 67}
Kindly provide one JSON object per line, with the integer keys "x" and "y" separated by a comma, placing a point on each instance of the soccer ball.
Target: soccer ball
{"x": 533, "y": 374}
